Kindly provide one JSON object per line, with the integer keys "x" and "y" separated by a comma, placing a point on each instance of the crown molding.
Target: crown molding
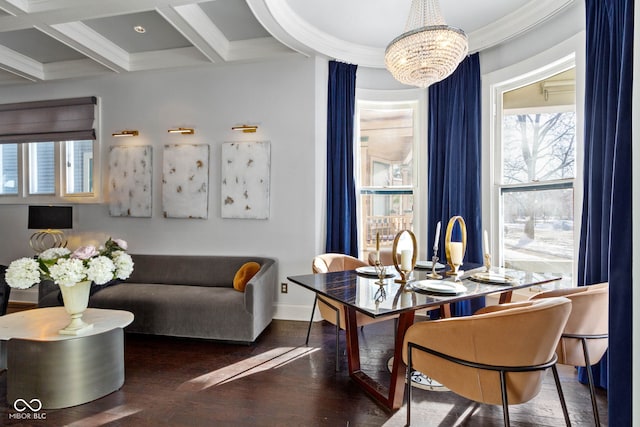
{"x": 516, "y": 23}
{"x": 290, "y": 29}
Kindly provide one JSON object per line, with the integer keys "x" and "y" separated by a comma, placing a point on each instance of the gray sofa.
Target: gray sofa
{"x": 188, "y": 296}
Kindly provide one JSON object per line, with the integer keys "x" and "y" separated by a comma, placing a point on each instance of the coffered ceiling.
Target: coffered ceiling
{"x": 59, "y": 39}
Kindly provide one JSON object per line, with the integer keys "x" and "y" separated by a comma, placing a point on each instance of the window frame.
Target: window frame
{"x": 561, "y": 57}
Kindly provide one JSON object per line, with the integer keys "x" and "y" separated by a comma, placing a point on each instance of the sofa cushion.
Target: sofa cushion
{"x": 244, "y": 274}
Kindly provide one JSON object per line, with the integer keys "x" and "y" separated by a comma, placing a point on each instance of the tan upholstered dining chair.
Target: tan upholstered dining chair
{"x": 331, "y": 310}
{"x": 585, "y": 338}
{"x": 496, "y": 356}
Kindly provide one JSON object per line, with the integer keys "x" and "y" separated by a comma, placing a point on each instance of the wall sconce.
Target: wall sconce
{"x": 246, "y": 128}
{"x": 125, "y": 133}
{"x": 183, "y": 131}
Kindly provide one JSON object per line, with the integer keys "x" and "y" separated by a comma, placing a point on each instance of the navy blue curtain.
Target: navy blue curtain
{"x": 605, "y": 241}
{"x": 342, "y": 231}
{"x": 454, "y": 161}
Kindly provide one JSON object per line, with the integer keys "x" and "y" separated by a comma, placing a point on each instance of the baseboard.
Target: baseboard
{"x": 295, "y": 312}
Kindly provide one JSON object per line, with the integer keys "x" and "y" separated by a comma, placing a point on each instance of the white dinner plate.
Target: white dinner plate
{"x": 428, "y": 264}
{"x": 491, "y": 277}
{"x": 439, "y": 287}
{"x": 370, "y": 270}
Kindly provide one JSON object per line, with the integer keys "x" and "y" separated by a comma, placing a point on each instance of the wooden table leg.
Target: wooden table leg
{"x": 505, "y": 297}
{"x": 391, "y": 397}
{"x": 353, "y": 346}
{"x": 445, "y": 311}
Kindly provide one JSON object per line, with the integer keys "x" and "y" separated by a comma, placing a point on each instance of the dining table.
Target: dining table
{"x": 364, "y": 290}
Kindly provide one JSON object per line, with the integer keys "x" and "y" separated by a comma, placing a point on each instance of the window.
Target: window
{"x": 45, "y": 181}
{"x": 9, "y": 169}
{"x": 79, "y": 156}
{"x": 42, "y": 168}
{"x": 536, "y": 174}
{"x": 48, "y": 151}
{"x": 386, "y": 178}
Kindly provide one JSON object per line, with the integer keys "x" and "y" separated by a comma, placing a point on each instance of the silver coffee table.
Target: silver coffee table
{"x": 63, "y": 370}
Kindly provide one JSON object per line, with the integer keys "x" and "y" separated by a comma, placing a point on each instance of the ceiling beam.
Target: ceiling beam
{"x": 21, "y": 65}
{"x": 197, "y": 28}
{"x": 90, "y": 43}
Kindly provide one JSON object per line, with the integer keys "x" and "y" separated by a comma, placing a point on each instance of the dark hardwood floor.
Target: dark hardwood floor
{"x": 280, "y": 382}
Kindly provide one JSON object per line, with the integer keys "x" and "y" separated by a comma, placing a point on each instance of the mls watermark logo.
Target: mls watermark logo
{"x": 27, "y": 410}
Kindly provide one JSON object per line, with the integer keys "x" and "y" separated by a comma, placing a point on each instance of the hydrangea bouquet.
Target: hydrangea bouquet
{"x": 66, "y": 268}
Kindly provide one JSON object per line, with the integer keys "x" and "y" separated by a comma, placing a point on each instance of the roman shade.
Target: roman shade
{"x": 53, "y": 120}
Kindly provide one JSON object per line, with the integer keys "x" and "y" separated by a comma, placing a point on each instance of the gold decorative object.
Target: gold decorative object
{"x": 487, "y": 251}
{"x": 381, "y": 272}
{"x": 125, "y": 133}
{"x": 182, "y": 131}
{"x": 42, "y": 240}
{"x": 245, "y": 128}
{"x": 455, "y": 250}
{"x": 404, "y": 269}
{"x": 429, "y": 50}
{"x": 434, "y": 259}
{"x": 487, "y": 262}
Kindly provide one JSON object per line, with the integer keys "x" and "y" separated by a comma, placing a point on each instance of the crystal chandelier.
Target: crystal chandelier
{"x": 429, "y": 50}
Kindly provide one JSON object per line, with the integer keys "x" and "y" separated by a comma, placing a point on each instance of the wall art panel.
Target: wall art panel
{"x": 185, "y": 181}
{"x": 245, "y": 173}
{"x": 130, "y": 181}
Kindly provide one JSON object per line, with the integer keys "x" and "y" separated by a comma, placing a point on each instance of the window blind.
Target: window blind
{"x": 53, "y": 120}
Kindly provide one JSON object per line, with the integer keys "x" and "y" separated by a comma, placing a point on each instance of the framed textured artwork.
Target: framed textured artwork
{"x": 245, "y": 173}
{"x": 130, "y": 180}
{"x": 185, "y": 181}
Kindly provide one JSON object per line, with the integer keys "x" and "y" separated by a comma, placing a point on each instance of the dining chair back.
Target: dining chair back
{"x": 585, "y": 337}
{"x": 496, "y": 356}
{"x": 331, "y": 310}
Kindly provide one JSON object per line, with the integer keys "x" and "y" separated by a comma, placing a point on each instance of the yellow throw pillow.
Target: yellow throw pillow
{"x": 244, "y": 274}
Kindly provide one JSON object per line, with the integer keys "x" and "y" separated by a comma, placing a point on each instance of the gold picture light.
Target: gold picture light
{"x": 183, "y": 131}
{"x": 246, "y": 128}
{"x": 125, "y": 133}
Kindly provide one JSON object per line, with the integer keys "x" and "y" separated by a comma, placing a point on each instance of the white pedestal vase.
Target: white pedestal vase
{"x": 76, "y": 299}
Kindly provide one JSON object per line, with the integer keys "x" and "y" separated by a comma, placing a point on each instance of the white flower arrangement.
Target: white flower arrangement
{"x": 66, "y": 268}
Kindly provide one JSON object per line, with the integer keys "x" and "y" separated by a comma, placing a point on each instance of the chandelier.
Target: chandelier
{"x": 429, "y": 50}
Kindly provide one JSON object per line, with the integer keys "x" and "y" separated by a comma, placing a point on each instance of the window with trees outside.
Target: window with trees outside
{"x": 537, "y": 174}
{"x": 386, "y": 171}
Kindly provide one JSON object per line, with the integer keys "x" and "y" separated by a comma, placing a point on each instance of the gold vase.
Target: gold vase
{"x": 76, "y": 299}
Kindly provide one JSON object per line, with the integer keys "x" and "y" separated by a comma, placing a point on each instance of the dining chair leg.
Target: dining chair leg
{"x": 337, "y": 341}
{"x": 505, "y": 401}
{"x": 563, "y": 402}
{"x": 408, "y": 384}
{"x": 592, "y": 389}
{"x": 313, "y": 311}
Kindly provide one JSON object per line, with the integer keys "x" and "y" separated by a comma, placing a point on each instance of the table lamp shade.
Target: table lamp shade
{"x": 50, "y": 217}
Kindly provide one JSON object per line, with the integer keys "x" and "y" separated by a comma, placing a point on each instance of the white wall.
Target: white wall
{"x": 280, "y": 96}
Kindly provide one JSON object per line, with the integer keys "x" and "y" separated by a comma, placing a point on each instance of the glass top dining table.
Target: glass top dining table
{"x": 362, "y": 291}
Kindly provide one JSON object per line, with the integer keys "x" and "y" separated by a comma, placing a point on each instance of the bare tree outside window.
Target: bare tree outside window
{"x": 538, "y": 169}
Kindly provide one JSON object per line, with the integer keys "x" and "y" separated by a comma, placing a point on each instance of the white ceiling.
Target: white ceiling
{"x": 59, "y": 39}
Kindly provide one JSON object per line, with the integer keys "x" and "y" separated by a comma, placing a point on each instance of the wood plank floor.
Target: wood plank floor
{"x": 280, "y": 382}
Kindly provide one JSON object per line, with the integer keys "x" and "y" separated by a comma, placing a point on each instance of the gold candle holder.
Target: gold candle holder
{"x": 454, "y": 268}
{"x": 404, "y": 274}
